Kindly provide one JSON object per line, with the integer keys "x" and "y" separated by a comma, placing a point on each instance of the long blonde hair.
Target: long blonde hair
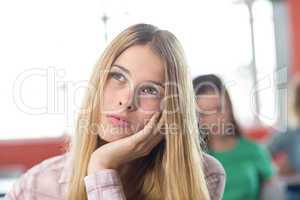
{"x": 173, "y": 170}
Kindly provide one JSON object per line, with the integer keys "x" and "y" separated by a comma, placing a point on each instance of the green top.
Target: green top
{"x": 246, "y": 165}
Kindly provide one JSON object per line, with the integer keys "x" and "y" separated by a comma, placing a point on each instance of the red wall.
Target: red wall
{"x": 26, "y": 153}
{"x": 294, "y": 12}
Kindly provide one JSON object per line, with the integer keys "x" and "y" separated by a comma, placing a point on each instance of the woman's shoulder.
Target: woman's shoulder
{"x": 42, "y": 180}
{"x": 252, "y": 147}
{"x": 215, "y": 176}
{"x": 53, "y": 165}
{"x": 247, "y": 143}
{"x": 212, "y": 165}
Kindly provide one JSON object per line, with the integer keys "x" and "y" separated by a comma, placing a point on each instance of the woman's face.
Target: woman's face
{"x": 214, "y": 114}
{"x": 133, "y": 92}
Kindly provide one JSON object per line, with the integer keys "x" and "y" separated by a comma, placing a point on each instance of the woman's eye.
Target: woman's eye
{"x": 117, "y": 76}
{"x": 150, "y": 91}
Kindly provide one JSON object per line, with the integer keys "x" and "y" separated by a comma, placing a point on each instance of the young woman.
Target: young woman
{"x": 247, "y": 165}
{"x": 136, "y": 136}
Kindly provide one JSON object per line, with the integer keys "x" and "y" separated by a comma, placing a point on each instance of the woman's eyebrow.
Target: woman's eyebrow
{"x": 156, "y": 83}
{"x": 128, "y": 72}
{"x": 122, "y": 68}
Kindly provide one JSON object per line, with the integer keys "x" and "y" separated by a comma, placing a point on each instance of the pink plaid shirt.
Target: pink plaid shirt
{"x": 48, "y": 180}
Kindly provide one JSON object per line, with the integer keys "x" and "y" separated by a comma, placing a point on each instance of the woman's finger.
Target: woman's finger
{"x": 147, "y": 130}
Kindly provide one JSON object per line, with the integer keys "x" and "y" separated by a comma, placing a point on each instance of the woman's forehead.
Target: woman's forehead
{"x": 141, "y": 63}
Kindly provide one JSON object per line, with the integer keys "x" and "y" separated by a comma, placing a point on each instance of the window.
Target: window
{"x": 51, "y": 47}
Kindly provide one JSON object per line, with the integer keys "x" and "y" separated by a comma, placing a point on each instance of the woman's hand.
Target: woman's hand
{"x": 112, "y": 155}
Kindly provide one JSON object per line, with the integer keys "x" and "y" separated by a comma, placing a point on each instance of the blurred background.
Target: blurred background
{"x": 48, "y": 49}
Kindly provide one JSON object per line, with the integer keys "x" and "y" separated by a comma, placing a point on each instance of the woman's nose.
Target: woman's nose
{"x": 128, "y": 101}
{"x": 129, "y": 107}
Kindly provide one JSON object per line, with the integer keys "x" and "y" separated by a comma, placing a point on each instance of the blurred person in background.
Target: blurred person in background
{"x": 247, "y": 165}
{"x": 285, "y": 147}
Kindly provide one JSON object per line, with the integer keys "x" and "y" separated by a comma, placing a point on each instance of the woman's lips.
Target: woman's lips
{"x": 117, "y": 121}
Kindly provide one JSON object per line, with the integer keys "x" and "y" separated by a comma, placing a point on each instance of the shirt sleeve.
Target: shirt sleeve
{"x": 216, "y": 185}
{"x": 215, "y": 177}
{"x": 264, "y": 163}
{"x": 18, "y": 190}
{"x": 104, "y": 185}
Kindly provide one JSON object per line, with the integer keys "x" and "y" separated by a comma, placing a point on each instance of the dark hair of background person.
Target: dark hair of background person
{"x": 206, "y": 84}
